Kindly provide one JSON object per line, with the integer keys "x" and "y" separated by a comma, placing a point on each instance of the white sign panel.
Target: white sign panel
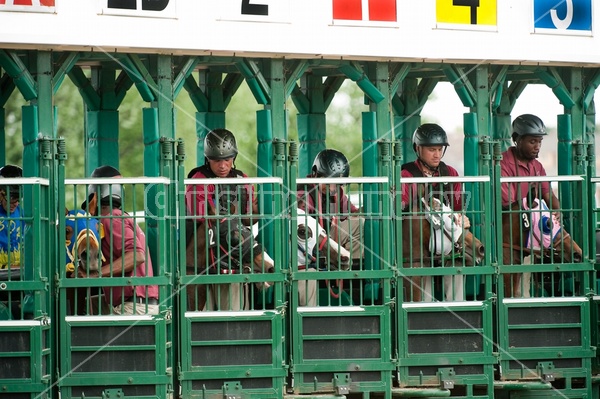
{"x": 139, "y": 8}
{"x": 390, "y": 30}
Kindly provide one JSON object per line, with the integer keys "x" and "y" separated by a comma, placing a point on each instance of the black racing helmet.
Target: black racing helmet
{"x": 220, "y": 144}
{"x": 528, "y": 125}
{"x": 428, "y": 135}
{"x": 330, "y": 163}
{"x": 109, "y": 193}
{"x": 11, "y": 171}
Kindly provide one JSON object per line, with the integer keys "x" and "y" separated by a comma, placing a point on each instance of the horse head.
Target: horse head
{"x": 448, "y": 234}
{"x": 547, "y": 232}
{"x": 83, "y": 234}
{"x": 312, "y": 236}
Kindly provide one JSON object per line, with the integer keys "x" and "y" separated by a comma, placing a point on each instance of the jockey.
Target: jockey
{"x": 430, "y": 142}
{"x": 10, "y": 219}
{"x": 220, "y": 152}
{"x": 123, "y": 248}
{"x": 521, "y": 160}
{"x": 330, "y": 205}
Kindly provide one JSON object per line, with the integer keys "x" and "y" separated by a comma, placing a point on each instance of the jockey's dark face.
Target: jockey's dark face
{"x": 528, "y": 147}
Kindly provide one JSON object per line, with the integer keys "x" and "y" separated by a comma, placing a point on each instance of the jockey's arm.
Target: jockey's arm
{"x": 118, "y": 268}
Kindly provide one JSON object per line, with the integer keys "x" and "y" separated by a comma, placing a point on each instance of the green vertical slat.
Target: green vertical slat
{"x": 312, "y": 131}
{"x": 102, "y": 139}
{"x": 2, "y": 136}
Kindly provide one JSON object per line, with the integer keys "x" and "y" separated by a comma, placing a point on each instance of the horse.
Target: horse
{"x": 313, "y": 238}
{"x": 82, "y": 247}
{"x": 435, "y": 237}
{"x": 532, "y": 234}
{"x": 221, "y": 247}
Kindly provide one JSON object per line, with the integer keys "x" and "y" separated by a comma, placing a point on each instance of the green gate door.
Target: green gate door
{"x": 25, "y": 302}
{"x": 115, "y": 309}
{"x": 340, "y": 329}
{"x": 231, "y": 290}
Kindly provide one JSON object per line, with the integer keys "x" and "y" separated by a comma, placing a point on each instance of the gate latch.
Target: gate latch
{"x": 341, "y": 383}
{"x": 446, "y": 376}
{"x": 546, "y": 371}
{"x": 232, "y": 390}
{"x": 115, "y": 393}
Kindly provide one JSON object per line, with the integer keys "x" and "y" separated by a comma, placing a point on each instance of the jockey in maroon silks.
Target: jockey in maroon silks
{"x": 521, "y": 160}
{"x": 123, "y": 248}
{"x": 220, "y": 151}
{"x": 429, "y": 143}
{"x": 330, "y": 205}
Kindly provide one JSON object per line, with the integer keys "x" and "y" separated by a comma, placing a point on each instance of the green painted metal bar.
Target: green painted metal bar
{"x": 498, "y": 85}
{"x": 462, "y": 86}
{"x": 255, "y": 81}
{"x": 199, "y": 99}
{"x": 499, "y": 77}
{"x": 300, "y": 100}
{"x": 29, "y": 120}
{"x": 399, "y": 77}
{"x": 66, "y": 62}
{"x": 514, "y": 92}
{"x": 420, "y": 393}
{"x": 231, "y": 84}
{"x": 312, "y": 132}
{"x": 554, "y": 82}
{"x": 7, "y": 87}
{"x": 295, "y": 75}
{"x": 186, "y": 70}
{"x": 3, "y": 135}
{"x": 122, "y": 85}
{"x": 331, "y": 87}
{"x": 354, "y": 72}
{"x": 140, "y": 76}
{"x": 522, "y": 386}
{"x": 424, "y": 90}
{"x": 158, "y": 155}
{"x": 406, "y": 106}
{"x": 13, "y": 65}
{"x": 312, "y": 125}
{"x": 590, "y": 90}
{"x": 370, "y": 168}
{"x": 88, "y": 93}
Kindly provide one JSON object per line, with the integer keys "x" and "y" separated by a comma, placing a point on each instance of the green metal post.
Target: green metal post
{"x": 371, "y": 236}
{"x": 312, "y": 132}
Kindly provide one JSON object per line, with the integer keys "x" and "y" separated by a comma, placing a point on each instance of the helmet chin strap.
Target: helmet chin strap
{"x": 429, "y": 167}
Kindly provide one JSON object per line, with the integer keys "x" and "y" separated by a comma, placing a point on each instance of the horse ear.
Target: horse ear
{"x": 93, "y": 206}
{"x": 66, "y": 211}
